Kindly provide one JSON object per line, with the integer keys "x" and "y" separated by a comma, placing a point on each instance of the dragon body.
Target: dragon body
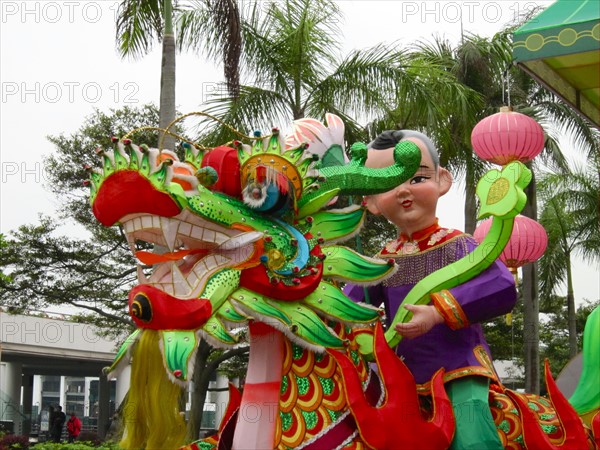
{"x": 240, "y": 237}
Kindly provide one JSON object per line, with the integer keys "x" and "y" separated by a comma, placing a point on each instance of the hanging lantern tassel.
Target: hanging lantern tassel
{"x": 515, "y": 273}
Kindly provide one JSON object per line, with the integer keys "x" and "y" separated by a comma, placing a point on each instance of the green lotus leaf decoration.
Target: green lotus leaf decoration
{"x": 501, "y": 193}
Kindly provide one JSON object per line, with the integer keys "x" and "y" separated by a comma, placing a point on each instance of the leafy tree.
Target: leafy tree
{"x": 3, "y": 244}
{"x": 94, "y": 270}
{"x": 504, "y": 335}
{"x": 505, "y": 339}
{"x": 571, "y": 218}
{"x": 555, "y": 334}
{"x": 91, "y": 272}
{"x": 47, "y": 270}
{"x": 292, "y": 69}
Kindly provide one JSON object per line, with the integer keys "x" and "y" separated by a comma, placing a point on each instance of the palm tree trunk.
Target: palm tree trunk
{"x": 167, "y": 75}
{"x": 531, "y": 306}
{"x": 470, "y": 207}
{"x": 571, "y": 312}
{"x": 228, "y": 15}
{"x": 531, "y": 329}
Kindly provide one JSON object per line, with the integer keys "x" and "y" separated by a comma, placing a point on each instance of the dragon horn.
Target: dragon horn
{"x": 378, "y": 425}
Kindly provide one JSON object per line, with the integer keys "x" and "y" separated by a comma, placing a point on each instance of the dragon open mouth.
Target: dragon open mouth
{"x": 194, "y": 248}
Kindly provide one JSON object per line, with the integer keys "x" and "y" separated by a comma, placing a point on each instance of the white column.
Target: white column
{"x": 86, "y": 401}
{"x": 37, "y": 392}
{"x": 62, "y": 394}
{"x": 221, "y": 398}
{"x": 122, "y": 385}
{"x": 11, "y": 385}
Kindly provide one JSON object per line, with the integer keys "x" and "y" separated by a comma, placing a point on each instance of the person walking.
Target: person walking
{"x": 73, "y": 427}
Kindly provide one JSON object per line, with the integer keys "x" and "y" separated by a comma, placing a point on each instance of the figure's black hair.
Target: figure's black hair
{"x": 390, "y": 138}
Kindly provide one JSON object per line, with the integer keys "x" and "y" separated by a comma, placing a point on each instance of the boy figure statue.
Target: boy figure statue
{"x": 447, "y": 332}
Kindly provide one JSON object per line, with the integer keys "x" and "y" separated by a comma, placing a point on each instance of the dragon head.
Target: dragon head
{"x": 240, "y": 232}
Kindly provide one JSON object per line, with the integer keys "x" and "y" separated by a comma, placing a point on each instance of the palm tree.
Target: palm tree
{"x": 291, "y": 61}
{"x": 555, "y": 117}
{"x": 140, "y": 23}
{"x": 571, "y": 218}
{"x": 213, "y": 28}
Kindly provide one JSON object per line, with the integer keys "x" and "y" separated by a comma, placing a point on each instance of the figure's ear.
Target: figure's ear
{"x": 371, "y": 202}
{"x": 445, "y": 180}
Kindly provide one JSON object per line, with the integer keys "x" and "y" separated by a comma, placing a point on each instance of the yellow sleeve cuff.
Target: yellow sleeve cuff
{"x": 448, "y": 307}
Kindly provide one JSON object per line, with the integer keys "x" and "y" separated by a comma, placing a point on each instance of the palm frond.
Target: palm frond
{"x": 553, "y": 265}
{"x": 253, "y": 109}
{"x": 214, "y": 27}
{"x": 139, "y": 26}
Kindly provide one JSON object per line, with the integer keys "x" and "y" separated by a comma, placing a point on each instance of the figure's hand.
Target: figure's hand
{"x": 425, "y": 317}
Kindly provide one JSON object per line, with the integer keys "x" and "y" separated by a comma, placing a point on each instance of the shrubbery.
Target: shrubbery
{"x": 77, "y": 445}
{"x": 87, "y": 440}
{"x": 14, "y": 442}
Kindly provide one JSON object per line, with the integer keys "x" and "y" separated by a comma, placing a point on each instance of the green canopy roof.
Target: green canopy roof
{"x": 560, "y": 48}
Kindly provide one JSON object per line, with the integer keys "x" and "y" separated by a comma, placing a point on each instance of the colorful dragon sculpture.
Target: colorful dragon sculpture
{"x": 243, "y": 237}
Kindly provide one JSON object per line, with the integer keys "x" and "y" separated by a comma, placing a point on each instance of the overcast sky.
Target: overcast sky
{"x": 59, "y": 62}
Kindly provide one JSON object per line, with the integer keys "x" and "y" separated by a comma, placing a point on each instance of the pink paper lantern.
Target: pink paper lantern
{"x": 507, "y": 136}
{"x": 527, "y": 243}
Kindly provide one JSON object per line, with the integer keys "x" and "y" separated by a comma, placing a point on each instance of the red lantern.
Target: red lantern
{"x": 527, "y": 243}
{"x": 507, "y": 136}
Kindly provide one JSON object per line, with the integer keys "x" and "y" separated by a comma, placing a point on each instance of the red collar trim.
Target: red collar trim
{"x": 420, "y": 235}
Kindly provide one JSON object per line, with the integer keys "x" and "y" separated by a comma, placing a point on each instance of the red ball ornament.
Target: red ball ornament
{"x": 507, "y": 136}
{"x": 527, "y": 243}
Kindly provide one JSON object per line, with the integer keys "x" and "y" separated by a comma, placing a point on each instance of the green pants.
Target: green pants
{"x": 475, "y": 428}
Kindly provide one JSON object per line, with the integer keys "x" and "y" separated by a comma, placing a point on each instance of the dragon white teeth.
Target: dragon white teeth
{"x": 131, "y": 243}
{"x": 185, "y": 228}
{"x": 147, "y": 221}
{"x": 182, "y": 288}
{"x": 241, "y": 240}
{"x": 161, "y": 273}
{"x": 137, "y": 223}
{"x": 196, "y": 232}
{"x": 142, "y": 279}
{"x": 169, "y": 229}
{"x": 128, "y": 227}
{"x": 168, "y": 288}
{"x": 209, "y": 236}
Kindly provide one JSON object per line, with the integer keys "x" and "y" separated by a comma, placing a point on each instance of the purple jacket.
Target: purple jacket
{"x": 490, "y": 294}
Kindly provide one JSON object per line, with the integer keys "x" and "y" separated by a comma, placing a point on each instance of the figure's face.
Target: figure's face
{"x": 412, "y": 205}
